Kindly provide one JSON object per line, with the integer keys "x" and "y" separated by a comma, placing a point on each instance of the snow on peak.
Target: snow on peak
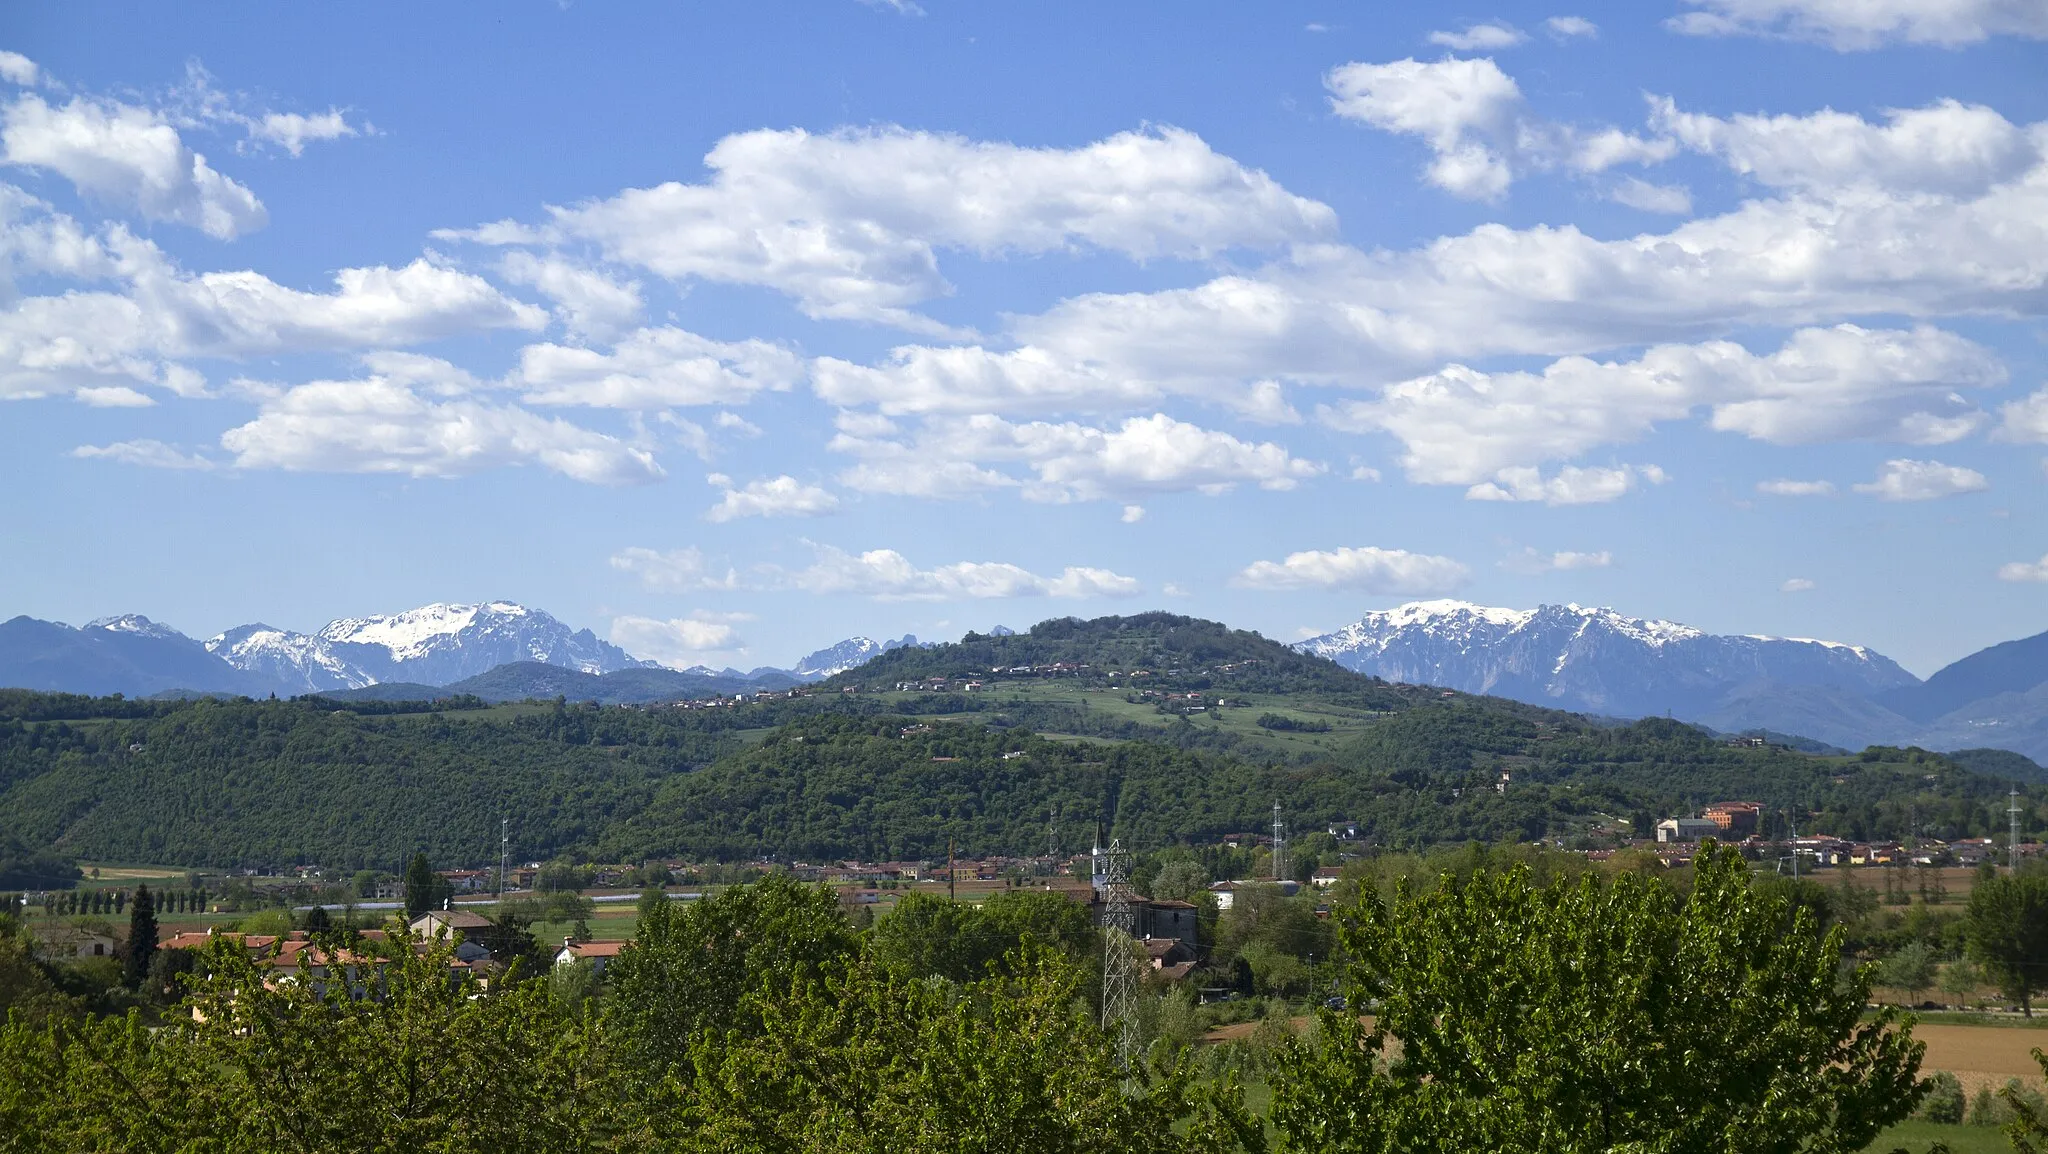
{"x": 839, "y": 658}
{"x": 1858, "y": 650}
{"x": 1591, "y": 658}
{"x": 409, "y": 635}
{"x": 1650, "y": 630}
{"x": 1422, "y": 612}
{"x": 133, "y": 623}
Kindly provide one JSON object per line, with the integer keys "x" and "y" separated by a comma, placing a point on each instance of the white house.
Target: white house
{"x": 598, "y": 954}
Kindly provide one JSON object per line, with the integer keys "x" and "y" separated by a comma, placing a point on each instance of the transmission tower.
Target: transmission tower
{"x": 1792, "y": 831}
{"x": 2012, "y": 846}
{"x": 1052, "y": 837}
{"x": 504, "y": 854}
{"x": 1279, "y": 846}
{"x": 1119, "y": 972}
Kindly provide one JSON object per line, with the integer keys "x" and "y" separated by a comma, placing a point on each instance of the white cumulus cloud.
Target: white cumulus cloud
{"x": 1948, "y": 147}
{"x": 2025, "y": 419}
{"x": 1637, "y": 193}
{"x": 1489, "y": 37}
{"x": 1903, "y": 479}
{"x": 1461, "y": 425}
{"x": 2024, "y": 570}
{"x": 887, "y": 575}
{"x": 1474, "y": 119}
{"x": 130, "y": 158}
{"x": 683, "y": 570}
{"x": 1533, "y": 561}
{"x": 147, "y": 453}
{"x": 1570, "y": 485}
{"x": 1067, "y": 461}
{"x": 782, "y": 496}
{"x": 678, "y": 642}
{"x": 1571, "y": 27}
{"x": 1368, "y": 569}
{"x": 1796, "y": 585}
{"x": 1790, "y": 488}
{"x": 655, "y": 368}
{"x": 292, "y": 131}
{"x": 1857, "y": 25}
{"x": 381, "y": 424}
{"x": 850, "y": 223}
{"x": 587, "y": 302}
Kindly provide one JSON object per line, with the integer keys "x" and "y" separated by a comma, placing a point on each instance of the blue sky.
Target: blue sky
{"x": 731, "y": 330}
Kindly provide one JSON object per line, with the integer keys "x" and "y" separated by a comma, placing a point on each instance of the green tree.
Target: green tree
{"x": 141, "y": 938}
{"x": 1590, "y": 1016}
{"x": 1910, "y": 968}
{"x": 1180, "y": 881}
{"x": 419, "y": 886}
{"x": 2028, "y": 1130}
{"x": 697, "y": 967}
{"x": 880, "y": 1065}
{"x": 1960, "y": 979}
{"x": 2006, "y": 924}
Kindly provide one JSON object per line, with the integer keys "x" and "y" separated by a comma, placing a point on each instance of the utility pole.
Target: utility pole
{"x": 1052, "y": 837}
{"x": 504, "y": 855}
{"x": 1119, "y": 974}
{"x": 1279, "y": 846}
{"x": 949, "y": 870}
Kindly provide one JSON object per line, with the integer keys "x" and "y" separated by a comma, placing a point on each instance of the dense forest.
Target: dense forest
{"x": 242, "y": 783}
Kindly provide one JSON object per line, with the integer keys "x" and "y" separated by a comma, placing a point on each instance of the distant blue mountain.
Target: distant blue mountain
{"x": 130, "y": 655}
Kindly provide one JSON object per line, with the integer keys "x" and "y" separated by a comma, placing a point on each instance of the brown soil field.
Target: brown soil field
{"x": 1976, "y": 1055}
{"x": 1981, "y": 1055}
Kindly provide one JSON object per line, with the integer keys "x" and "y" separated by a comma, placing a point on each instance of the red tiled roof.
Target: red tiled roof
{"x": 456, "y": 919}
{"x": 598, "y": 949}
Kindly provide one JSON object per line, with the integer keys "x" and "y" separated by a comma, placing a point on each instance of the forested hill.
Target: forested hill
{"x": 1168, "y": 650}
{"x": 247, "y": 783}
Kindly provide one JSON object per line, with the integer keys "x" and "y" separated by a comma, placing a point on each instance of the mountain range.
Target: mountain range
{"x": 1589, "y": 660}
{"x": 497, "y": 650}
{"x": 1601, "y": 662}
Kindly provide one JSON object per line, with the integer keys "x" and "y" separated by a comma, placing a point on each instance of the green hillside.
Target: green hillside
{"x": 275, "y": 782}
{"x": 219, "y": 783}
{"x": 1168, "y": 650}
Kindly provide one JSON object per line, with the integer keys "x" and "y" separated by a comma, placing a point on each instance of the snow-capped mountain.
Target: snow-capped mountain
{"x": 297, "y": 662}
{"x": 432, "y": 645}
{"x": 846, "y": 655}
{"x": 1595, "y": 660}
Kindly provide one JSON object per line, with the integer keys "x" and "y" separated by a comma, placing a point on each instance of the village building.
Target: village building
{"x": 1686, "y": 830}
{"x": 598, "y": 954}
{"x": 435, "y": 923}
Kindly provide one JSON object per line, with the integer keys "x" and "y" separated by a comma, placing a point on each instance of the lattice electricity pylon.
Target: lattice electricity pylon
{"x": 1119, "y": 968}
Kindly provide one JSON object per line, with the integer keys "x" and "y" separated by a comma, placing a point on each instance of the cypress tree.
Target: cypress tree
{"x": 419, "y": 886}
{"x": 141, "y": 937}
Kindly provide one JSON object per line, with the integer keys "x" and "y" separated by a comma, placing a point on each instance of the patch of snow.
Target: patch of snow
{"x": 409, "y": 634}
{"x": 134, "y": 623}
